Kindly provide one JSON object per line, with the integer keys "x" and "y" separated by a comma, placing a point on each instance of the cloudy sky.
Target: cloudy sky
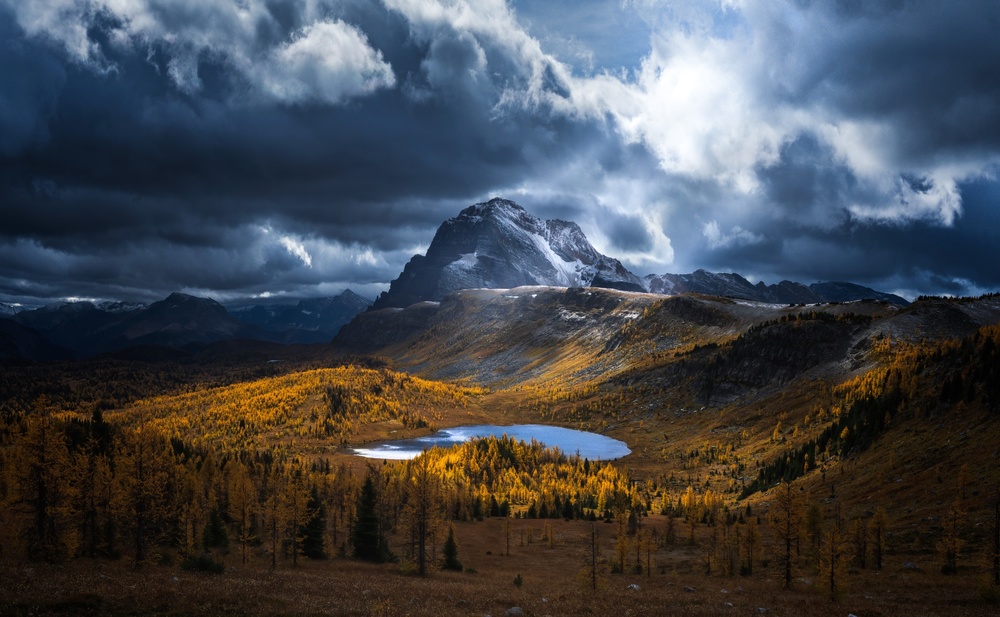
{"x": 239, "y": 148}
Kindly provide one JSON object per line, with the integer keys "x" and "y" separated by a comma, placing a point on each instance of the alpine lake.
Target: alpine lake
{"x": 587, "y": 445}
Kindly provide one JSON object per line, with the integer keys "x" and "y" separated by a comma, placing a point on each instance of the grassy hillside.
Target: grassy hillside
{"x": 871, "y": 424}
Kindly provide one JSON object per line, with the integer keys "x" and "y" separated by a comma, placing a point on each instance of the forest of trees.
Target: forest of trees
{"x": 966, "y": 371}
{"x": 92, "y": 488}
{"x": 215, "y": 470}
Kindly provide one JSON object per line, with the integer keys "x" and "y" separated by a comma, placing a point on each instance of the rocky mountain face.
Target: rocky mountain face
{"x": 314, "y": 320}
{"x": 701, "y": 349}
{"x": 499, "y": 245}
{"x": 786, "y": 292}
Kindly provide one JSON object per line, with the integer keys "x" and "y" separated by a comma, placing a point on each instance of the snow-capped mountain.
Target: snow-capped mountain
{"x": 497, "y": 245}
{"x": 733, "y": 285}
{"x": 9, "y": 310}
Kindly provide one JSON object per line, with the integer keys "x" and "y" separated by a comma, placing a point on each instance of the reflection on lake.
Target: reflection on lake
{"x": 570, "y": 441}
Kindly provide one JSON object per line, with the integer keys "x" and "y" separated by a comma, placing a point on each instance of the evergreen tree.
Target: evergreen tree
{"x": 366, "y": 536}
{"x": 450, "y": 551}
{"x": 215, "y": 534}
{"x": 315, "y": 528}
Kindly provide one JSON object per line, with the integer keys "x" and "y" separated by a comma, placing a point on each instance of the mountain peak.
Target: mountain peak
{"x": 497, "y": 206}
{"x": 498, "y": 244}
{"x": 178, "y": 297}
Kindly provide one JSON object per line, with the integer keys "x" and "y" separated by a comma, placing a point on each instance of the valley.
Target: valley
{"x": 868, "y": 409}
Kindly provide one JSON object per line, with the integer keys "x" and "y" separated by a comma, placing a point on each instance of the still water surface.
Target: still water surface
{"x": 570, "y": 441}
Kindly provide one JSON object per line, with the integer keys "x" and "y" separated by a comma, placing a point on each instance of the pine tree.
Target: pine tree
{"x": 593, "y": 556}
{"x": 366, "y": 536}
{"x": 314, "y": 532}
{"x": 215, "y": 534}
{"x": 275, "y": 513}
{"x": 859, "y": 539}
{"x": 450, "y": 551}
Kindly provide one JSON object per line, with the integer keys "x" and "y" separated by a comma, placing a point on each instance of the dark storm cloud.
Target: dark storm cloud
{"x": 913, "y": 259}
{"x": 833, "y": 141}
{"x": 131, "y": 152}
{"x": 285, "y": 147}
{"x": 924, "y": 65}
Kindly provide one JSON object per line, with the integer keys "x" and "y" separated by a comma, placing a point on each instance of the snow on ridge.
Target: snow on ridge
{"x": 466, "y": 261}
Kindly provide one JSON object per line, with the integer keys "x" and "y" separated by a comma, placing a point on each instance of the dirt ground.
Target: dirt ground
{"x": 554, "y": 581}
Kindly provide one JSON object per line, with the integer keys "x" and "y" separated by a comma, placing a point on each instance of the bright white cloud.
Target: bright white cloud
{"x": 295, "y": 247}
{"x": 325, "y": 61}
{"x": 737, "y": 236}
{"x": 719, "y": 103}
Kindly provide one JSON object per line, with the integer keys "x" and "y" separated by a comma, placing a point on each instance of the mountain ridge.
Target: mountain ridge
{"x": 731, "y": 284}
{"x": 80, "y": 329}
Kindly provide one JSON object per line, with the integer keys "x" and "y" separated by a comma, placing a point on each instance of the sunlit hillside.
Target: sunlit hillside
{"x": 865, "y": 431}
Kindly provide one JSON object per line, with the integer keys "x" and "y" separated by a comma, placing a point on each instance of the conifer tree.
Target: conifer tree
{"x": 313, "y": 542}
{"x": 296, "y": 498}
{"x": 450, "y": 551}
{"x": 143, "y": 476}
{"x": 422, "y": 506}
{"x": 367, "y": 534}
{"x": 751, "y": 541}
{"x": 832, "y": 562}
{"x": 44, "y": 479}
{"x": 995, "y": 556}
{"x": 242, "y": 505}
{"x": 787, "y": 523}
{"x": 275, "y": 512}
{"x": 859, "y": 536}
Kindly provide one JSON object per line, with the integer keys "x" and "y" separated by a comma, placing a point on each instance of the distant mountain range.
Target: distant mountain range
{"x": 786, "y": 292}
{"x": 499, "y": 245}
{"x": 313, "y": 320}
{"x": 72, "y": 329}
